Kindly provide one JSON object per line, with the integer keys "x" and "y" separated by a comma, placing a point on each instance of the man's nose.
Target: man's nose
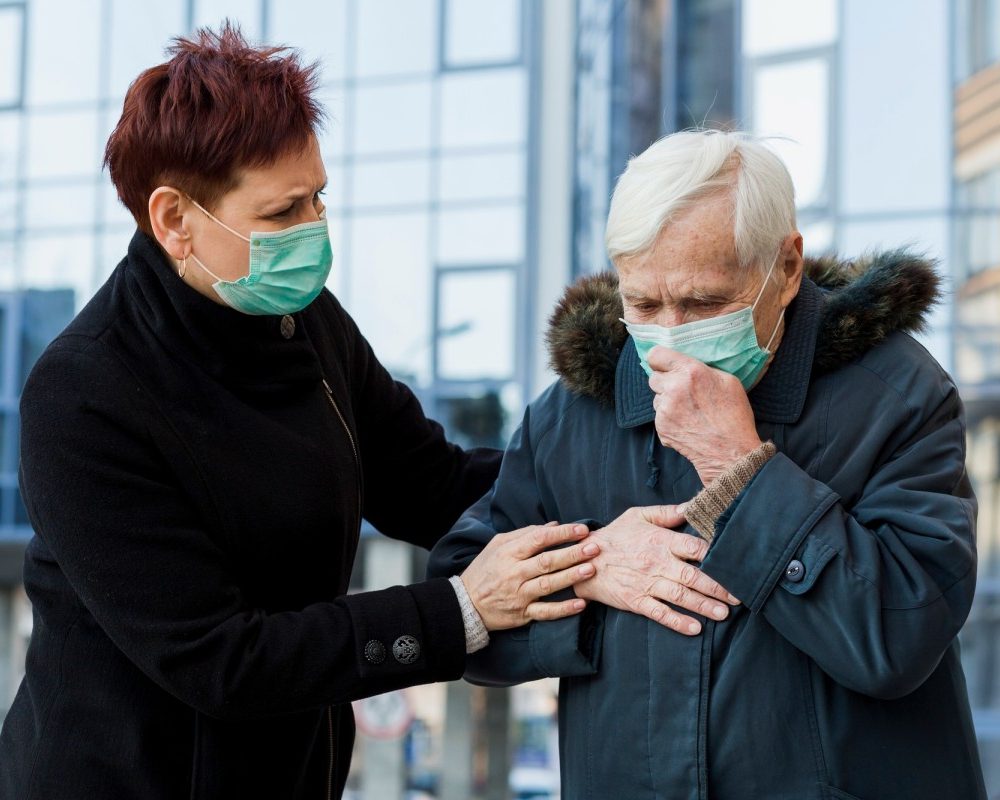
{"x": 669, "y": 317}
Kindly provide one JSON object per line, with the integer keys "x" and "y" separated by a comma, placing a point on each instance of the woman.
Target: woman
{"x": 198, "y": 449}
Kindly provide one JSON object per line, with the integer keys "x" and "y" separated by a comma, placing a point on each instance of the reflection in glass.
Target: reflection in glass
{"x": 396, "y": 38}
{"x": 52, "y": 153}
{"x": 10, "y": 56}
{"x": 393, "y": 118}
{"x": 791, "y": 100}
{"x": 478, "y": 33}
{"x": 773, "y": 26}
{"x": 481, "y": 236}
{"x": 140, "y": 32}
{"x": 476, "y": 325}
{"x": 318, "y": 30}
{"x": 211, "y": 13}
{"x": 63, "y": 51}
{"x": 483, "y": 107}
{"x": 390, "y": 183}
{"x": 389, "y": 290}
{"x": 476, "y": 177}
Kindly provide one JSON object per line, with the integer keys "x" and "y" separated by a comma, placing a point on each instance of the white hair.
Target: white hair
{"x": 673, "y": 173}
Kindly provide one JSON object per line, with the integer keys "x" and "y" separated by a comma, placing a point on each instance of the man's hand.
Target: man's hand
{"x": 701, "y": 412}
{"x": 643, "y": 563}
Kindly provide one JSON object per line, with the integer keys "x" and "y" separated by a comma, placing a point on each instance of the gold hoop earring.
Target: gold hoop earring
{"x": 183, "y": 267}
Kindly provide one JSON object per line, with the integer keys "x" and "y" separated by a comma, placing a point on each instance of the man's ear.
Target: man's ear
{"x": 792, "y": 263}
{"x": 166, "y": 218}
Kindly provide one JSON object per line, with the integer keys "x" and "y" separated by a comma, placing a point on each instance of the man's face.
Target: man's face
{"x": 692, "y": 272}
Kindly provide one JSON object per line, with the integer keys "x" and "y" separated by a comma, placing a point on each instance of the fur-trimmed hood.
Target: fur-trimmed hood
{"x": 864, "y": 301}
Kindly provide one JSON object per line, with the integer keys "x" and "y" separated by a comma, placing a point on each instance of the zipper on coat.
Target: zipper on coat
{"x": 357, "y": 463}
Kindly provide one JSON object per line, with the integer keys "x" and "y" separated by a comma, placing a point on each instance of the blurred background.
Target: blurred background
{"x": 472, "y": 148}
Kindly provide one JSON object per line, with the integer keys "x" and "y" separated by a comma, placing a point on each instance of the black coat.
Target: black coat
{"x": 194, "y": 491}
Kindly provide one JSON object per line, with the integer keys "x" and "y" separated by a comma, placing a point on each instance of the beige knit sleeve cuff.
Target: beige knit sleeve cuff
{"x": 704, "y": 510}
{"x": 476, "y": 635}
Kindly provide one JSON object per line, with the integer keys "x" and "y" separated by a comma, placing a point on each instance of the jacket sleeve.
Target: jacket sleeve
{"x": 142, "y": 560}
{"x": 559, "y": 648}
{"x": 873, "y": 590}
{"x": 417, "y": 483}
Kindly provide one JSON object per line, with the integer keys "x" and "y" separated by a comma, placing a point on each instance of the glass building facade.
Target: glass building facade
{"x": 472, "y": 148}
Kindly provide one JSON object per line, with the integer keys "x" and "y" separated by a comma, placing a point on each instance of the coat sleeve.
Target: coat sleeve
{"x": 417, "y": 483}
{"x": 559, "y": 648}
{"x": 141, "y": 559}
{"x": 876, "y": 590}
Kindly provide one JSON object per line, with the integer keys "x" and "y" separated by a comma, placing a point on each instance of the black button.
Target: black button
{"x": 406, "y": 649}
{"x": 795, "y": 571}
{"x": 288, "y": 326}
{"x": 375, "y": 651}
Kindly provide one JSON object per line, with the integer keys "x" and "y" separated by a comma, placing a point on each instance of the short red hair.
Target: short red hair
{"x": 218, "y": 105}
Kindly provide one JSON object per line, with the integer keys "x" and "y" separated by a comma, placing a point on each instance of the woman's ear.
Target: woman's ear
{"x": 166, "y": 218}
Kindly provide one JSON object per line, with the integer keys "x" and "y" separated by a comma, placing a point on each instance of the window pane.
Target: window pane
{"x": 10, "y": 139}
{"x": 9, "y": 278}
{"x": 60, "y": 262}
{"x": 140, "y": 32}
{"x": 10, "y": 56}
{"x": 390, "y": 279}
{"x": 393, "y": 118}
{"x": 211, "y": 13}
{"x": 390, "y": 183}
{"x": 792, "y": 101}
{"x": 59, "y": 206}
{"x": 498, "y": 176}
{"x": 483, "y": 108}
{"x": 482, "y": 33}
{"x": 395, "y": 38}
{"x": 8, "y": 209}
{"x": 771, "y": 26}
{"x": 476, "y": 325}
{"x": 319, "y": 30}
{"x": 817, "y": 237}
{"x": 481, "y": 236}
{"x": 63, "y": 51}
{"x": 52, "y": 153}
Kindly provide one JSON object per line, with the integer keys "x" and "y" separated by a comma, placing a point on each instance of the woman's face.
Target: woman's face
{"x": 269, "y": 198}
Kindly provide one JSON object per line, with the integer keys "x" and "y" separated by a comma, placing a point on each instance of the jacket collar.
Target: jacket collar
{"x": 778, "y": 397}
{"x": 235, "y": 348}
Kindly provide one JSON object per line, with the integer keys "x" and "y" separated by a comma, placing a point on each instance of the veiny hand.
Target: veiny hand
{"x": 701, "y": 412}
{"x": 643, "y": 563}
{"x": 515, "y": 569}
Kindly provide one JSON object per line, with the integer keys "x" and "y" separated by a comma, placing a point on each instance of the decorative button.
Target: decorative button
{"x": 406, "y": 649}
{"x": 375, "y": 651}
{"x": 795, "y": 571}
{"x": 288, "y": 326}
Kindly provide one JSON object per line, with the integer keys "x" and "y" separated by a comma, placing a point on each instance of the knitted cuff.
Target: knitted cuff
{"x": 476, "y": 635}
{"x": 705, "y": 508}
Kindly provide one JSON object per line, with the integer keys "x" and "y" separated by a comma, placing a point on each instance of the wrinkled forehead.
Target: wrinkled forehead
{"x": 692, "y": 255}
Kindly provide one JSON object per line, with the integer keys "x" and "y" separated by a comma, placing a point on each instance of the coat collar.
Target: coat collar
{"x": 236, "y": 349}
{"x": 779, "y": 396}
{"x": 843, "y": 309}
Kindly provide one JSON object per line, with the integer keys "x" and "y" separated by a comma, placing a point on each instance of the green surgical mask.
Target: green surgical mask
{"x": 288, "y": 269}
{"x": 727, "y": 342}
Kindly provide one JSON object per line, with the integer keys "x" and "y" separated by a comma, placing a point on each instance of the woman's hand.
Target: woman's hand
{"x": 515, "y": 569}
{"x": 644, "y": 565}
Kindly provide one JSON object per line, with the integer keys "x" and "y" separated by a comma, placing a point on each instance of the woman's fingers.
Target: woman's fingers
{"x": 551, "y": 582}
{"x": 529, "y": 541}
{"x": 548, "y": 611}
{"x": 555, "y": 560}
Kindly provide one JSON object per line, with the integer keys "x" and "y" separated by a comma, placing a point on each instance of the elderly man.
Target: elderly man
{"x": 787, "y": 528}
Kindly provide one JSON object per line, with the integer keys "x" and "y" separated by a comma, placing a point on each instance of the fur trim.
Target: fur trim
{"x": 866, "y": 300}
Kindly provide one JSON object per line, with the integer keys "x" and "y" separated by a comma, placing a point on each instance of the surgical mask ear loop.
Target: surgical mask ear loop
{"x": 217, "y": 220}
